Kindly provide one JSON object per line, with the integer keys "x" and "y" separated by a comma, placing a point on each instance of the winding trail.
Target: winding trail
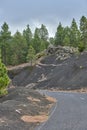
{"x": 69, "y": 113}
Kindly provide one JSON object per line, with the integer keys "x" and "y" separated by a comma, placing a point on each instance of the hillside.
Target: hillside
{"x": 62, "y": 70}
{"x": 23, "y": 109}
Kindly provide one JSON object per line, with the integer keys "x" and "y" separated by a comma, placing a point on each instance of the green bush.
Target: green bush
{"x": 81, "y": 47}
{"x": 4, "y": 79}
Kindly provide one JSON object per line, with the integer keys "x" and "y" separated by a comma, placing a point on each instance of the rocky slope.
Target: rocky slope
{"x": 69, "y": 72}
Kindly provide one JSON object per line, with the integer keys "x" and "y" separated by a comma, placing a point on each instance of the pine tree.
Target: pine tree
{"x": 31, "y": 55}
{"x": 4, "y": 79}
{"x": 66, "y": 39}
{"x": 83, "y": 30}
{"x": 59, "y": 35}
{"x": 5, "y": 36}
{"x": 75, "y": 34}
{"x": 36, "y": 41}
{"x": 18, "y": 49}
{"x": 28, "y": 35}
{"x": 43, "y": 33}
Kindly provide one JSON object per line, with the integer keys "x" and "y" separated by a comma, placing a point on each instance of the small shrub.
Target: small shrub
{"x": 81, "y": 47}
{"x": 4, "y": 79}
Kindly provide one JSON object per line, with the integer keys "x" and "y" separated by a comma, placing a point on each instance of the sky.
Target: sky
{"x": 19, "y": 13}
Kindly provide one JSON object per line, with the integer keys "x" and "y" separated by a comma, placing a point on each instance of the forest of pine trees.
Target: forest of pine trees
{"x": 22, "y": 46}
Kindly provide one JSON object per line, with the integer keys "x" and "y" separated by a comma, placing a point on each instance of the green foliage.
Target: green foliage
{"x": 59, "y": 35}
{"x": 5, "y": 36}
{"x": 74, "y": 34}
{"x": 18, "y": 49}
{"x": 27, "y": 35}
{"x": 81, "y": 47}
{"x": 83, "y": 29}
{"x": 5, "y": 33}
{"x": 36, "y": 41}
{"x": 51, "y": 40}
{"x": 66, "y": 40}
{"x": 43, "y": 33}
{"x": 31, "y": 55}
{"x": 40, "y": 39}
{"x": 66, "y": 36}
{"x": 4, "y": 79}
{"x": 15, "y": 49}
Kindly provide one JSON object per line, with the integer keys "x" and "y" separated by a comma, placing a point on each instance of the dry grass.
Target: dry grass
{"x": 51, "y": 99}
{"x": 34, "y": 119}
{"x": 43, "y": 115}
{"x": 83, "y": 90}
{"x": 33, "y": 99}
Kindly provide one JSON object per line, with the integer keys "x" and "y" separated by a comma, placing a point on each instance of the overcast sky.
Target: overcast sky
{"x": 19, "y": 13}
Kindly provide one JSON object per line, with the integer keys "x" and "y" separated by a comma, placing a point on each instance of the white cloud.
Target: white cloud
{"x": 35, "y": 23}
{"x": 50, "y": 27}
{"x": 19, "y": 13}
